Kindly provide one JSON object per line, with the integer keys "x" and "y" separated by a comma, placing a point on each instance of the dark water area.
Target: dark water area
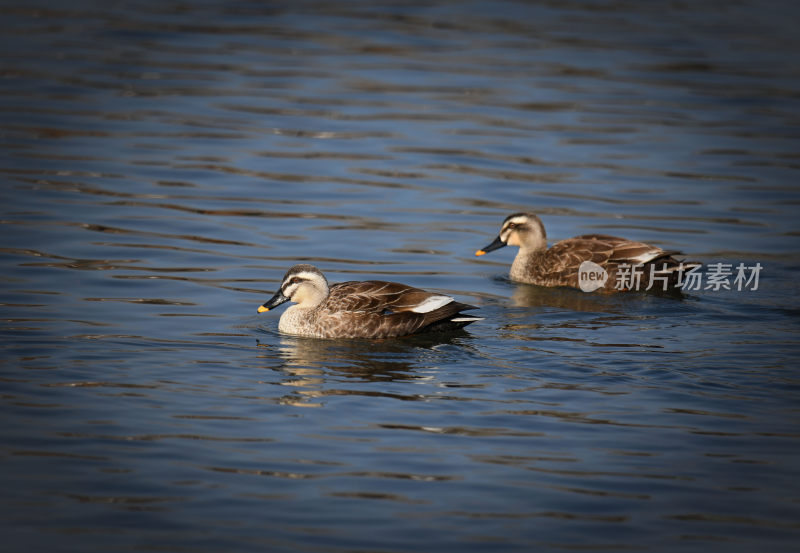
{"x": 163, "y": 163}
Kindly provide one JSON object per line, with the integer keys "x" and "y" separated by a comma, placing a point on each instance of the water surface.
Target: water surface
{"x": 163, "y": 164}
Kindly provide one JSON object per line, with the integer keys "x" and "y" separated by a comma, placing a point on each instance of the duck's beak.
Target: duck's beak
{"x": 496, "y": 245}
{"x": 273, "y": 302}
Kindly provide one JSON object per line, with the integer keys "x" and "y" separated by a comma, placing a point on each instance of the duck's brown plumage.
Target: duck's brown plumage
{"x": 559, "y": 265}
{"x": 378, "y": 309}
{"x": 362, "y": 309}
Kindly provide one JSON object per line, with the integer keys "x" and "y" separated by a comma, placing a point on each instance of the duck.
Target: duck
{"x": 372, "y": 309}
{"x": 563, "y": 263}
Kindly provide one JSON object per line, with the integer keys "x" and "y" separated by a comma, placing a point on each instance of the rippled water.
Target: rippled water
{"x": 164, "y": 163}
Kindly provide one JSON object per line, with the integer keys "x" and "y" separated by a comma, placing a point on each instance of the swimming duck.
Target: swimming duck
{"x": 560, "y": 265}
{"x": 367, "y": 309}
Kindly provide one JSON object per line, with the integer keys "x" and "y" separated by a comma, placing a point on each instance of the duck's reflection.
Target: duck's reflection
{"x": 564, "y": 322}
{"x": 529, "y": 295}
{"x": 317, "y": 368}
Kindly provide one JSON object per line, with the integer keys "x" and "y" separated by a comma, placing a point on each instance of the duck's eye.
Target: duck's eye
{"x": 512, "y": 225}
{"x": 294, "y": 280}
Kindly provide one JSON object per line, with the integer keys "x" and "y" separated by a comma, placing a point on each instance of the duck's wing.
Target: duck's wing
{"x": 447, "y": 317}
{"x": 613, "y": 249}
{"x": 378, "y": 309}
{"x": 559, "y": 266}
{"x": 563, "y": 258}
{"x": 376, "y": 296}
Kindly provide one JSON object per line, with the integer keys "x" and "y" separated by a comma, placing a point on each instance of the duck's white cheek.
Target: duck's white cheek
{"x": 511, "y": 238}
{"x": 290, "y": 292}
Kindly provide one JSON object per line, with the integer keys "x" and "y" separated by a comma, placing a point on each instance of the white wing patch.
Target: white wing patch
{"x": 644, "y": 257}
{"x": 431, "y": 304}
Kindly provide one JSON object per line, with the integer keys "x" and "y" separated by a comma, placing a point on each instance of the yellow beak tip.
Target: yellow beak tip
{"x": 261, "y": 308}
{"x": 480, "y": 252}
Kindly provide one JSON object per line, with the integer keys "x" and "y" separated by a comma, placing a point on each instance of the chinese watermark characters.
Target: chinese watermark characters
{"x": 717, "y": 276}
{"x": 722, "y": 276}
{"x": 685, "y": 277}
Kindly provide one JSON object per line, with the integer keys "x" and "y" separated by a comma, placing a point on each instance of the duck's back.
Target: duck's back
{"x": 378, "y": 309}
{"x": 559, "y": 265}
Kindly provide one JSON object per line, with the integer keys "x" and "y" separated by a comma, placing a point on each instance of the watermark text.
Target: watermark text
{"x": 687, "y": 277}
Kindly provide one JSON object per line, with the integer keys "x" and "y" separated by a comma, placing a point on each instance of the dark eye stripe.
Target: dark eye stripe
{"x": 292, "y": 281}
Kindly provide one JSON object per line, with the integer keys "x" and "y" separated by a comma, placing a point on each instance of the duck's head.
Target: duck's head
{"x": 302, "y": 284}
{"x": 520, "y": 229}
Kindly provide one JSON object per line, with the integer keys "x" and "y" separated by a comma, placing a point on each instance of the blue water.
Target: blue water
{"x": 163, "y": 164}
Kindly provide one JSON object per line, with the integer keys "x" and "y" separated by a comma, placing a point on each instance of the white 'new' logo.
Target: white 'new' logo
{"x": 591, "y": 276}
